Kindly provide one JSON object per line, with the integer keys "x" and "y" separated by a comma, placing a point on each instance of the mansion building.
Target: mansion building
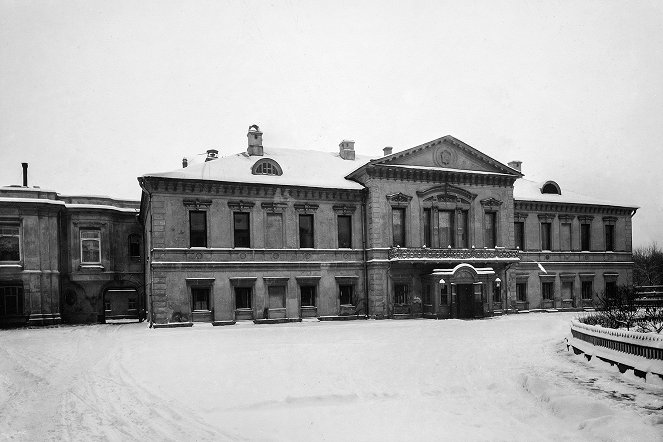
{"x": 439, "y": 230}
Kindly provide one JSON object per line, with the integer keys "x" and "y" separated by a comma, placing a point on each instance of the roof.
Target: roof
{"x": 310, "y": 168}
{"x": 527, "y": 190}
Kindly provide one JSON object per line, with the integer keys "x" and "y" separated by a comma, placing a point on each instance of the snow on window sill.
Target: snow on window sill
{"x": 91, "y": 267}
{"x": 9, "y": 265}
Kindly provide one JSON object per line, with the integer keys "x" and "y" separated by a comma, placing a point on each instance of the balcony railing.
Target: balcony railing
{"x": 426, "y": 254}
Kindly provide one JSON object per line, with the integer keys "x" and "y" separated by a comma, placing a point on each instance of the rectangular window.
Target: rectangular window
{"x": 344, "y": 231}
{"x": 547, "y": 290}
{"x": 134, "y": 246}
{"x": 565, "y": 237}
{"x": 445, "y": 230}
{"x": 610, "y": 238}
{"x": 490, "y": 226}
{"x": 276, "y": 296}
{"x": 584, "y": 237}
{"x": 132, "y": 304}
{"x": 197, "y": 228}
{"x": 11, "y": 300}
{"x": 587, "y": 290}
{"x": 306, "y": 231}
{"x": 427, "y": 297}
{"x": 307, "y": 295}
{"x": 497, "y": 294}
{"x": 10, "y": 249}
{"x": 611, "y": 289}
{"x": 107, "y": 305}
{"x": 274, "y": 231}
{"x": 243, "y": 297}
{"x": 200, "y": 299}
{"x": 567, "y": 290}
{"x": 90, "y": 246}
{"x": 400, "y": 294}
{"x": 463, "y": 229}
{"x": 345, "y": 294}
{"x": 444, "y": 295}
{"x": 427, "y": 228}
{"x": 521, "y": 291}
{"x": 398, "y": 226}
{"x": 242, "y": 229}
{"x": 519, "y": 232}
{"x": 545, "y": 236}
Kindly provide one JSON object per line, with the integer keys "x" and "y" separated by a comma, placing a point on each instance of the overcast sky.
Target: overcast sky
{"x": 96, "y": 93}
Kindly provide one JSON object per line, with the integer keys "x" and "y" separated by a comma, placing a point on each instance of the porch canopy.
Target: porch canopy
{"x": 464, "y": 271}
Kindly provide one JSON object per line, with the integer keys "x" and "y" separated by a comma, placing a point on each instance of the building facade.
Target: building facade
{"x": 72, "y": 259}
{"x": 440, "y": 230}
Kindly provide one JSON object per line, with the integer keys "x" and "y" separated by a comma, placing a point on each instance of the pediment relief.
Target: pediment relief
{"x": 447, "y": 193}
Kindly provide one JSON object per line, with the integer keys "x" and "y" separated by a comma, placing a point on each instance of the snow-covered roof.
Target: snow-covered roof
{"x": 309, "y": 168}
{"x": 527, "y": 190}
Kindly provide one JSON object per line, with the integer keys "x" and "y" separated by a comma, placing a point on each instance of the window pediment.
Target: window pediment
{"x": 447, "y": 193}
{"x": 491, "y": 202}
{"x": 399, "y": 199}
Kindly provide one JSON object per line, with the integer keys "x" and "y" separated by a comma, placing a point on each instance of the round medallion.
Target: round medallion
{"x": 199, "y": 255}
{"x": 445, "y": 157}
{"x": 275, "y": 256}
{"x": 242, "y": 255}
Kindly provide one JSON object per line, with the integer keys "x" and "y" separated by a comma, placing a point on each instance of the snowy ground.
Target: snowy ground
{"x": 507, "y": 378}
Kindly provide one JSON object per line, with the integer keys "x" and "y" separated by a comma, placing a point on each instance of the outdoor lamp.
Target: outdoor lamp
{"x": 442, "y": 281}
{"x": 498, "y": 281}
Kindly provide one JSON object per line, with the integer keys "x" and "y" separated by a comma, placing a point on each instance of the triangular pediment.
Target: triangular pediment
{"x": 447, "y": 153}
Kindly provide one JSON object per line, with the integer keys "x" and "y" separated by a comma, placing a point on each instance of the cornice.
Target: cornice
{"x": 393, "y": 172}
{"x": 569, "y": 208}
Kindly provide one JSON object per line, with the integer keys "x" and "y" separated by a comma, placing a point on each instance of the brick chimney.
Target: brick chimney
{"x": 255, "y": 141}
{"x": 347, "y": 150}
{"x": 25, "y": 174}
{"x": 387, "y": 150}
{"x": 516, "y": 165}
{"x": 212, "y": 154}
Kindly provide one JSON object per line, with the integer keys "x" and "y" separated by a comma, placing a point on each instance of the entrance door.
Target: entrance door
{"x": 465, "y": 295}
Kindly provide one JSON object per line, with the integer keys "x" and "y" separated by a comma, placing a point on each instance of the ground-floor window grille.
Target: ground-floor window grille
{"x": 243, "y": 297}
{"x": 11, "y": 300}
{"x": 200, "y": 298}
{"x": 586, "y": 289}
{"x": 521, "y": 292}
{"x": 400, "y": 293}
{"x": 345, "y": 294}
{"x": 547, "y": 290}
{"x": 307, "y": 295}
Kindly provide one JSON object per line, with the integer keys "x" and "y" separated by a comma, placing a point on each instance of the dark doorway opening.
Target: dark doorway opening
{"x": 465, "y": 300}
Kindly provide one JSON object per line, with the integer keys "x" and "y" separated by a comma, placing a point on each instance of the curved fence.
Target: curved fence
{"x": 641, "y": 352}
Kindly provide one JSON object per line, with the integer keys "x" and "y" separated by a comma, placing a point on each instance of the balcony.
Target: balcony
{"x": 453, "y": 255}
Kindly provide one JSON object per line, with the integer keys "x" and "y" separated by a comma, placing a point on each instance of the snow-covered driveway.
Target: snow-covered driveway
{"x": 507, "y": 378}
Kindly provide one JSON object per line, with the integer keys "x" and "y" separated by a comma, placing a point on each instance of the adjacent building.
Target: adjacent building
{"x": 439, "y": 230}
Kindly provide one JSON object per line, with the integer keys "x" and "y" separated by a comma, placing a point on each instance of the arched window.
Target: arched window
{"x": 551, "y": 187}
{"x": 267, "y": 167}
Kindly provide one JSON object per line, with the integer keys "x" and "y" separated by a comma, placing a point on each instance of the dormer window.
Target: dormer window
{"x": 552, "y": 188}
{"x": 267, "y": 167}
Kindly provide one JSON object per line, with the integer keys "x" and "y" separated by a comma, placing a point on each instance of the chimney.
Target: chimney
{"x": 347, "y": 150}
{"x": 25, "y": 174}
{"x": 387, "y": 150}
{"x": 255, "y": 141}
{"x": 516, "y": 165}
{"x": 212, "y": 154}
{"x": 185, "y": 163}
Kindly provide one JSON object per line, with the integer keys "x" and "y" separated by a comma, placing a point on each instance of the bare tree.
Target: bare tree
{"x": 648, "y": 265}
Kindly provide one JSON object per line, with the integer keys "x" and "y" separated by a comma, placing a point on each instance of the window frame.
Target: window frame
{"x": 5, "y": 288}
{"x": 18, "y": 236}
{"x": 314, "y": 295}
{"x": 205, "y": 230}
{"x": 303, "y": 236}
{"x": 345, "y": 244}
{"x": 244, "y": 233}
{"x": 516, "y": 235}
{"x": 267, "y": 167}
{"x": 242, "y": 288}
{"x": 547, "y": 290}
{"x": 351, "y": 295}
{"x": 546, "y": 235}
{"x": 134, "y": 240}
{"x": 521, "y": 291}
{"x": 583, "y": 289}
{"x": 208, "y": 293}
{"x": 401, "y": 231}
{"x": 270, "y": 242}
{"x": 401, "y": 293}
{"x": 609, "y": 238}
{"x": 97, "y": 231}
{"x": 490, "y": 230}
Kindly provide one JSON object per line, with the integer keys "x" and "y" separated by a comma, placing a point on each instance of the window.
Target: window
{"x": 444, "y": 294}
{"x": 565, "y": 237}
{"x": 345, "y": 294}
{"x": 276, "y": 295}
{"x": 11, "y": 300}
{"x": 90, "y": 246}
{"x": 427, "y": 228}
{"x": 307, "y": 295}
{"x": 197, "y": 228}
{"x": 107, "y": 305}
{"x": 241, "y": 228}
{"x": 490, "y": 225}
{"x": 587, "y": 290}
{"x": 274, "y": 231}
{"x": 551, "y": 187}
{"x": 519, "y": 231}
{"x": 398, "y": 226}
{"x": 344, "y": 231}
{"x": 400, "y": 294}
{"x": 611, "y": 289}
{"x": 446, "y": 228}
{"x": 547, "y": 290}
{"x": 267, "y": 167}
{"x": 200, "y": 298}
{"x": 10, "y": 249}
{"x": 497, "y": 295}
{"x": 463, "y": 237}
{"x": 584, "y": 237}
{"x": 132, "y": 304}
{"x": 521, "y": 291}
{"x": 545, "y": 236}
{"x": 243, "y": 297}
{"x": 427, "y": 297}
{"x": 609, "y": 237}
{"x": 306, "y": 231}
{"x": 134, "y": 246}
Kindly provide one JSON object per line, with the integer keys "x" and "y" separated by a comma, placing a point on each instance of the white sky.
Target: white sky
{"x": 96, "y": 93}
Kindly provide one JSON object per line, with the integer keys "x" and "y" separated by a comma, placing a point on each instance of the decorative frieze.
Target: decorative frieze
{"x": 240, "y": 205}
{"x": 546, "y": 217}
{"x": 274, "y": 207}
{"x": 399, "y": 199}
{"x": 419, "y": 254}
{"x": 197, "y": 203}
{"x": 306, "y": 207}
{"x": 344, "y": 209}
